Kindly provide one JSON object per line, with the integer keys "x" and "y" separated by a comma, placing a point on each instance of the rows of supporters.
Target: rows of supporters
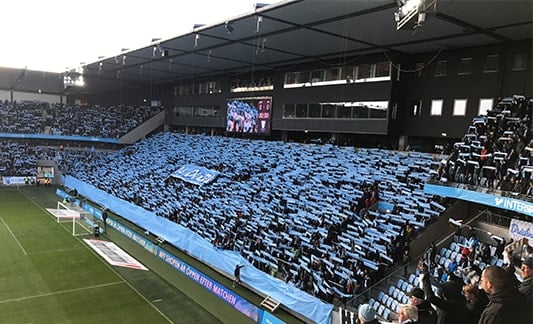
{"x": 300, "y": 212}
{"x": 496, "y": 152}
{"x": 481, "y": 282}
{"x": 72, "y": 120}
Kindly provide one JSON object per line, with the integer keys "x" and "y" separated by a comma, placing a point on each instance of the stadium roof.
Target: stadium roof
{"x": 289, "y": 33}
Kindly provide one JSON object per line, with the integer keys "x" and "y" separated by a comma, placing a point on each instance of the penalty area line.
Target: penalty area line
{"x": 13, "y": 234}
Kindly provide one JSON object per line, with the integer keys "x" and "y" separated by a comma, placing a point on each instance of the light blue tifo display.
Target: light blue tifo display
{"x": 291, "y": 297}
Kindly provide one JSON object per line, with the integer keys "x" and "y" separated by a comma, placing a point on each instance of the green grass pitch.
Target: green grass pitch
{"x": 49, "y": 276}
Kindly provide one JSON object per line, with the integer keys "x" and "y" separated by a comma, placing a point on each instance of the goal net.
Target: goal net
{"x": 70, "y": 213}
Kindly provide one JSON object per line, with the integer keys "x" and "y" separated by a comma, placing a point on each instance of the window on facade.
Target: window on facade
{"x": 290, "y": 78}
{"x": 303, "y": 77}
{"x": 520, "y": 62}
{"x": 440, "y": 68}
{"x": 416, "y": 108}
{"x": 459, "y": 107}
{"x": 377, "y": 113}
{"x": 465, "y": 66}
{"x": 344, "y": 111}
{"x": 329, "y": 111}
{"x": 491, "y": 63}
{"x": 364, "y": 71}
{"x": 360, "y": 112}
{"x": 315, "y": 111}
{"x": 382, "y": 69}
{"x": 436, "y": 108}
{"x": 485, "y": 104}
{"x": 288, "y": 111}
{"x": 301, "y": 110}
{"x": 333, "y": 74}
{"x": 348, "y": 73}
{"x": 317, "y": 76}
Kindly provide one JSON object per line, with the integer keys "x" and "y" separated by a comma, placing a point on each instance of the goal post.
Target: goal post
{"x": 69, "y": 213}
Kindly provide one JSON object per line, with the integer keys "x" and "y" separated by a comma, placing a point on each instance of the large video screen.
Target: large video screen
{"x": 249, "y": 115}
{"x": 45, "y": 172}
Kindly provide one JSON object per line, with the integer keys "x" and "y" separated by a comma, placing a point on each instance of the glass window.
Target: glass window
{"x": 290, "y": 78}
{"x": 485, "y": 104}
{"x": 333, "y": 74}
{"x": 382, "y": 69}
{"x": 303, "y": 77}
{"x": 348, "y": 73}
{"x": 440, "y": 68}
{"x": 317, "y": 76}
{"x": 315, "y": 110}
{"x": 344, "y": 111}
{"x": 491, "y": 63}
{"x": 459, "y": 107}
{"x": 360, "y": 112}
{"x": 364, "y": 71}
{"x": 465, "y": 65}
{"x": 301, "y": 110}
{"x": 436, "y": 107}
{"x": 520, "y": 62}
{"x": 377, "y": 113}
{"x": 328, "y": 111}
{"x": 288, "y": 111}
{"x": 416, "y": 108}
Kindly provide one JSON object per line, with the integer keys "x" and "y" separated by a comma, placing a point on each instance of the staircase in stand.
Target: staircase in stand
{"x": 270, "y": 303}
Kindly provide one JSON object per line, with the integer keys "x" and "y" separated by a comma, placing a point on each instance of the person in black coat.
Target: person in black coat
{"x": 451, "y": 307}
{"x": 476, "y": 301}
{"x": 426, "y": 313}
{"x": 506, "y": 305}
{"x": 526, "y": 286}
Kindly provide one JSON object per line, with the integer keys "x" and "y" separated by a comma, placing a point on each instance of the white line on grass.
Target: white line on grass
{"x": 58, "y": 250}
{"x": 60, "y": 292}
{"x": 13, "y": 234}
{"x": 107, "y": 264}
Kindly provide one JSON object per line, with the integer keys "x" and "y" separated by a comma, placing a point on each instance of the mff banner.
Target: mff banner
{"x": 195, "y": 174}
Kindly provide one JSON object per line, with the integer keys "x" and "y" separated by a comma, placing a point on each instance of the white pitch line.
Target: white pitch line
{"x": 13, "y": 234}
{"x": 60, "y": 292}
{"x": 54, "y": 251}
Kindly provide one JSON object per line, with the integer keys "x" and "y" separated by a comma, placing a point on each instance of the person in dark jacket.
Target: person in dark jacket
{"x": 526, "y": 286}
{"x": 476, "y": 301}
{"x": 451, "y": 307}
{"x": 426, "y": 313}
{"x": 506, "y": 304}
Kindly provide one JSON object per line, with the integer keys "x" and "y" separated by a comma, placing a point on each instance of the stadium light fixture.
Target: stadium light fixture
{"x": 196, "y": 38}
{"x": 228, "y": 27}
{"x": 258, "y": 26}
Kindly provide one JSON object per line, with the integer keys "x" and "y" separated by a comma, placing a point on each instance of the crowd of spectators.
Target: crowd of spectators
{"x": 469, "y": 282}
{"x": 304, "y": 213}
{"x": 72, "y": 120}
{"x": 496, "y": 151}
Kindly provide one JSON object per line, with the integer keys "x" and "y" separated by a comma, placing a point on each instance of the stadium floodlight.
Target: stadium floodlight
{"x": 409, "y": 9}
{"x": 228, "y": 27}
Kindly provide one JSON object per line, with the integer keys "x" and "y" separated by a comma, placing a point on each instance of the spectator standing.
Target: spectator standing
{"x": 476, "y": 301}
{"x": 506, "y": 304}
{"x": 237, "y": 274}
{"x": 451, "y": 307}
{"x": 426, "y": 313}
{"x": 526, "y": 286}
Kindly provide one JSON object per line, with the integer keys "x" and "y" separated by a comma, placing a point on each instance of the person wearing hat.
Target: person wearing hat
{"x": 367, "y": 315}
{"x": 426, "y": 313}
{"x": 526, "y": 286}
